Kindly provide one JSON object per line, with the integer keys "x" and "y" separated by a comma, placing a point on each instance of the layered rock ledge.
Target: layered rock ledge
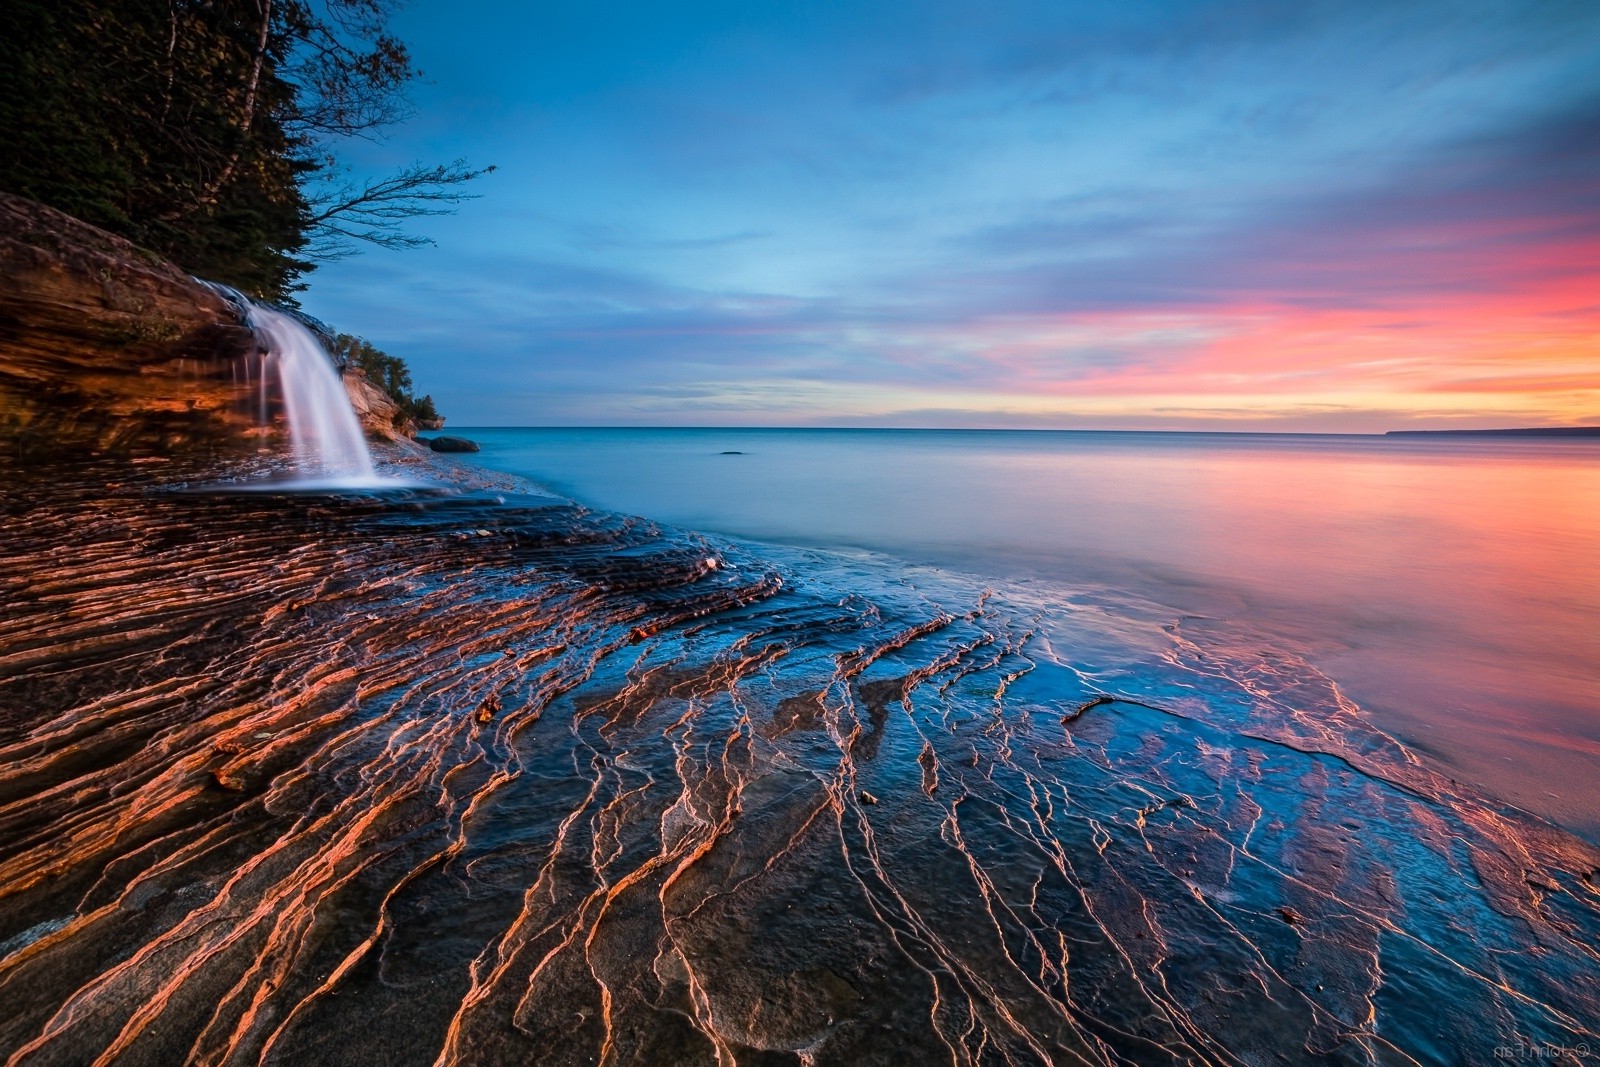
{"x": 106, "y": 347}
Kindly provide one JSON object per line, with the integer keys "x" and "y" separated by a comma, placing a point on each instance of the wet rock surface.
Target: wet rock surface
{"x": 105, "y": 347}
{"x": 419, "y": 777}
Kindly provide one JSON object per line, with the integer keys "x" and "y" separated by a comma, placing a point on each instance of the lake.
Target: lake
{"x": 1450, "y": 586}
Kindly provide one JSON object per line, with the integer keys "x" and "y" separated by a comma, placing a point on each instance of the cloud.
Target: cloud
{"x": 1022, "y": 212}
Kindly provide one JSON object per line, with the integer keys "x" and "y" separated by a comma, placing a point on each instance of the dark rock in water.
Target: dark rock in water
{"x": 450, "y": 444}
{"x": 733, "y": 453}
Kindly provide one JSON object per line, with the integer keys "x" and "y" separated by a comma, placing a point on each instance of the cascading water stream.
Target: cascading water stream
{"x": 325, "y": 436}
{"x": 324, "y": 433}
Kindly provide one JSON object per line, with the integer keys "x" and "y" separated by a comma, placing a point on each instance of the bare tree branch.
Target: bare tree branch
{"x": 351, "y": 72}
{"x": 350, "y": 214}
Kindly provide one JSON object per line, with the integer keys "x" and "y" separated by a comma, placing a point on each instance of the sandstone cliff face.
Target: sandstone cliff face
{"x": 107, "y": 348}
{"x": 380, "y": 416}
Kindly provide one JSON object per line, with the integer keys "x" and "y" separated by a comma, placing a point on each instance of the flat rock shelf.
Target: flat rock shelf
{"x": 477, "y": 777}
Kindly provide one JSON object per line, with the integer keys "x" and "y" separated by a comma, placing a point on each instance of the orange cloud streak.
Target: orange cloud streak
{"x": 1529, "y": 350}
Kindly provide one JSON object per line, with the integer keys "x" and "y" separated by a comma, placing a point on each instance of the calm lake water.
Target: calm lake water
{"x": 1450, "y": 586}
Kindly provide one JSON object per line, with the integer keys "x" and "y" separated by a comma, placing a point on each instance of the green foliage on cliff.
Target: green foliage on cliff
{"x": 205, "y": 130}
{"x": 389, "y": 373}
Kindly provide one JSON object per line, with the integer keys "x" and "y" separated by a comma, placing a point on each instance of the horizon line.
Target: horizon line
{"x": 1533, "y": 431}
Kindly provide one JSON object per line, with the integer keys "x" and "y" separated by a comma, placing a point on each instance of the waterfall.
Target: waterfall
{"x": 325, "y": 436}
{"x": 324, "y": 433}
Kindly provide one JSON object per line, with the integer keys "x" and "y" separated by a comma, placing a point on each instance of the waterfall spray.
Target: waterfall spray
{"x": 324, "y": 434}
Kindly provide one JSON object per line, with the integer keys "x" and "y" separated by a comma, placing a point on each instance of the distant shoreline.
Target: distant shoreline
{"x": 1531, "y": 431}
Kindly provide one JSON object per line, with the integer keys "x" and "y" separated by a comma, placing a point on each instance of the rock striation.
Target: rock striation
{"x": 108, "y": 348}
{"x": 462, "y": 778}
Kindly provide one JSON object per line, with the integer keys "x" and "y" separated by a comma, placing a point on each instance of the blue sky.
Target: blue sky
{"x": 1237, "y": 215}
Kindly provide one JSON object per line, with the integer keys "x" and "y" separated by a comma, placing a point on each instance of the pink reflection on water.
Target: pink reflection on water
{"x": 1450, "y": 585}
{"x": 1453, "y": 590}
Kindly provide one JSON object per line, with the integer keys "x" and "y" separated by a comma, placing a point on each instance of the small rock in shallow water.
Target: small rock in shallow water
{"x": 868, "y": 798}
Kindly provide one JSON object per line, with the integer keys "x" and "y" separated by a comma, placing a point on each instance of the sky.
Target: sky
{"x": 1236, "y": 215}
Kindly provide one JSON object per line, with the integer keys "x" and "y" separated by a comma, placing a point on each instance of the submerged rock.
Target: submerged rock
{"x": 1087, "y": 705}
{"x": 450, "y": 444}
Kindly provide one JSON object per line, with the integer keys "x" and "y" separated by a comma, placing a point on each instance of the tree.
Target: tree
{"x": 423, "y": 410}
{"x": 207, "y": 130}
{"x": 352, "y": 77}
{"x": 387, "y": 372}
{"x": 160, "y": 120}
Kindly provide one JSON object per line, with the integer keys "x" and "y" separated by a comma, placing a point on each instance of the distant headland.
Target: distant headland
{"x": 1528, "y": 431}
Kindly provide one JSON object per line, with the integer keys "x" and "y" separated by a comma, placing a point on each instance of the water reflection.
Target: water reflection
{"x": 1452, "y": 586}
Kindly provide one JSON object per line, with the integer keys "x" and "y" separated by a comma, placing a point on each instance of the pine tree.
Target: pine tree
{"x": 205, "y": 130}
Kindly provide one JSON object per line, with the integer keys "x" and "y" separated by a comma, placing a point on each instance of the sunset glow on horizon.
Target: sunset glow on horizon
{"x": 1341, "y": 218}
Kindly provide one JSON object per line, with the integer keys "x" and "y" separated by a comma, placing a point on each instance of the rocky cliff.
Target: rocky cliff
{"x": 107, "y": 348}
{"x": 380, "y": 416}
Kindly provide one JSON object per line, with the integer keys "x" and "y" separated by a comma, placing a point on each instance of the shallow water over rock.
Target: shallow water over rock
{"x": 476, "y": 779}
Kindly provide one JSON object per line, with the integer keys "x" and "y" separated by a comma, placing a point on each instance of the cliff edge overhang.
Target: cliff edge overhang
{"x": 107, "y": 348}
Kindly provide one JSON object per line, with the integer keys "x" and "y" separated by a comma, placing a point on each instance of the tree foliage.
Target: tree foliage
{"x": 207, "y": 130}
{"x": 387, "y": 372}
